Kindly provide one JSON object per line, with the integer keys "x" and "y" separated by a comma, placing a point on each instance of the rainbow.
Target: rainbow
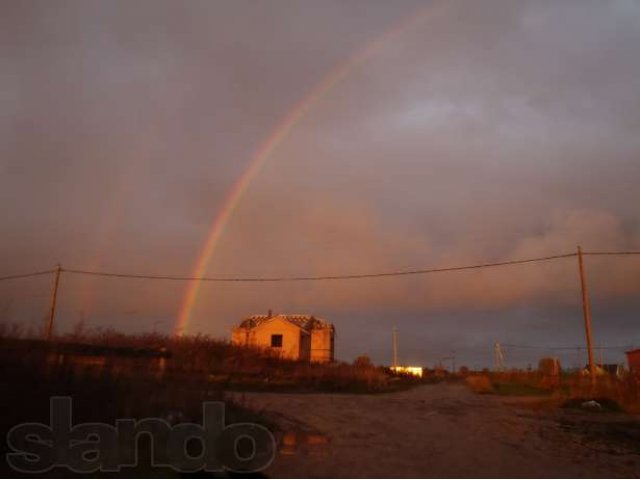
{"x": 278, "y": 135}
{"x": 115, "y": 208}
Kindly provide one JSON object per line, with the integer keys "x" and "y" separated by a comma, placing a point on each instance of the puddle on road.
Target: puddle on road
{"x": 302, "y": 442}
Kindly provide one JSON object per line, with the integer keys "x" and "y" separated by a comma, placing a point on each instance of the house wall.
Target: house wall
{"x": 322, "y": 345}
{"x": 305, "y": 346}
{"x": 291, "y": 344}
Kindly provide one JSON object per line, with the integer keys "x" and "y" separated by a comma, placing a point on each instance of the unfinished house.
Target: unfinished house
{"x": 297, "y": 337}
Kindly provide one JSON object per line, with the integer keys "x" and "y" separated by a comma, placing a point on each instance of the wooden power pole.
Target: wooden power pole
{"x": 395, "y": 347}
{"x": 586, "y": 310}
{"x": 54, "y": 297}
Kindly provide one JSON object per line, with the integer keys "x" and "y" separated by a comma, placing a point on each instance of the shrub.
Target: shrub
{"x": 363, "y": 361}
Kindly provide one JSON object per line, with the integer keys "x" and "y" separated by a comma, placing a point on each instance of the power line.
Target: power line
{"x": 315, "y": 278}
{"x": 540, "y": 347}
{"x": 25, "y": 275}
{"x": 628, "y": 252}
{"x": 322, "y": 277}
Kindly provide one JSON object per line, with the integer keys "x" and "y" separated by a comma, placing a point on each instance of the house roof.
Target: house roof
{"x": 307, "y": 322}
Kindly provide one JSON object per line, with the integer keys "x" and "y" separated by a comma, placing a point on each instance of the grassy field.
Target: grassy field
{"x": 569, "y": 390}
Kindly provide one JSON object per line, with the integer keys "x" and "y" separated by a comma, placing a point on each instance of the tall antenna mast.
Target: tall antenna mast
{"x": 498, "y": 357}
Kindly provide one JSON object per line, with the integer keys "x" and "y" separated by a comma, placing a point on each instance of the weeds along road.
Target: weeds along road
{"x": 443, "y": 431}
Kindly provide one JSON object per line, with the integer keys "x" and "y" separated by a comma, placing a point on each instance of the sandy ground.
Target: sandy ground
{"x": 444, "y": 431}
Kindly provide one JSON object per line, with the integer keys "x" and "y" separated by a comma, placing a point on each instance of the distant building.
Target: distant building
{"x": 413, "y": 371}
{"x": 614, "y": 369}
{"x": 550, "y": 366}
{"x": 297, "y": 337}
{"x": 611, "y": 369}
{"x": 633, "y": 359}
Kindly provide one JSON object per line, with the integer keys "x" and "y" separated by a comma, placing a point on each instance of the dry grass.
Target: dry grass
{"x": 479, "y": 383}
{"x": 225, "y": 365}
{"x": 623, "y": 391}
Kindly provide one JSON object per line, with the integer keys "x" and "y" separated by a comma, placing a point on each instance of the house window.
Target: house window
{"x": 276, "y": 340}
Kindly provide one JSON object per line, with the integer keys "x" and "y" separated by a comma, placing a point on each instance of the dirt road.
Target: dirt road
{"x": 444, "y": 431}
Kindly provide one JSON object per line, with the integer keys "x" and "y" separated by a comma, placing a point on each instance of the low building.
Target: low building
{"x": 86, "y": 359}
{"x": 633, "y": 359}
{"x": 296, "y": 337}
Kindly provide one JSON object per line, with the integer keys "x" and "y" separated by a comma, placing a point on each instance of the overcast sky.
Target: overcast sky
{"x": 474, "y": 132}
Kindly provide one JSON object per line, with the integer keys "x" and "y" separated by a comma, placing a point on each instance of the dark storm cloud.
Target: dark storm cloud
{"x": 480, "y": 131}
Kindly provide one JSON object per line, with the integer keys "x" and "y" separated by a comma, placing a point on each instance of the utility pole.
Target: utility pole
{"x": 54, "y": 297}
{"x": 395, "y": 347}
{"x": 586, "y": 310}
{"x": 498, "y": 357}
